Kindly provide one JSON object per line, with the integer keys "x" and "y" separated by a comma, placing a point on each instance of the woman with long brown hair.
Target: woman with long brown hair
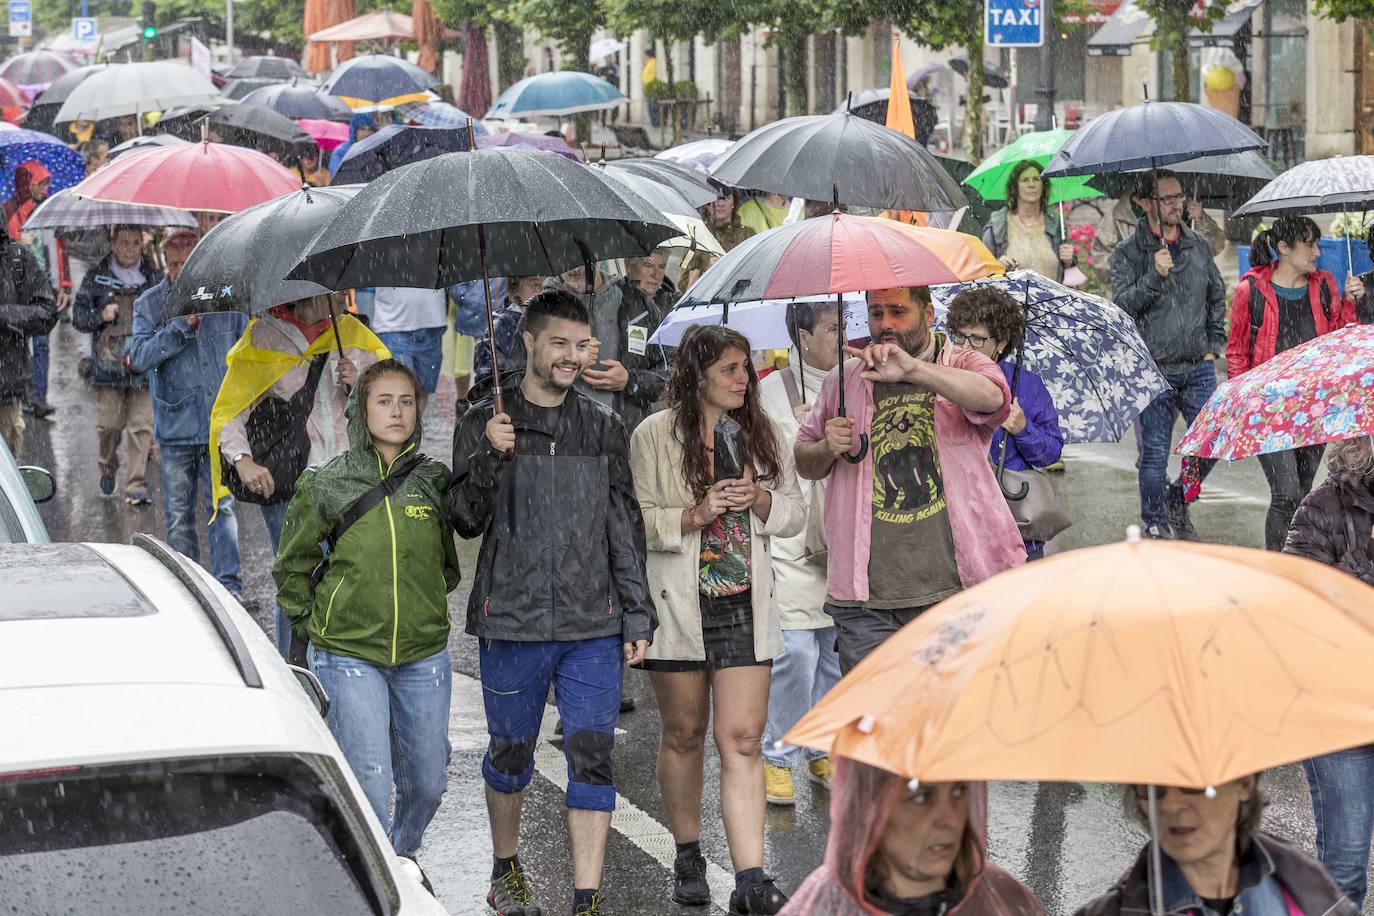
{"x": 715, "y": 481}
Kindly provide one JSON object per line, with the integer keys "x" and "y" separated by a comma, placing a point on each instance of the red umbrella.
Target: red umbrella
{"x": 11, "y": 96}
{"x": 211, "y": 177}
{"x": 474, "y": 91}
{"x": 428, "y": 34}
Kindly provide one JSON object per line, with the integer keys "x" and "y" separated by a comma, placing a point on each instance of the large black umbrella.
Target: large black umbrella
{"x": 1150, "y": 135}
{"x": 246, "y": 124}
{"x": 268, "y": 66}
{"x": 394, "y": 146}
{"x": 1217, "y": 182}
{"x": 239, "y": 264}
{"x": 465, "y": 216}
{"x": 238, "y": 89}
{"x": 871, "y": 105}
{"x": 695, "y": 187}
{"x": 824, "y": 157}
{"x": 43, "y": 114}
{"x": 295, "y": 100}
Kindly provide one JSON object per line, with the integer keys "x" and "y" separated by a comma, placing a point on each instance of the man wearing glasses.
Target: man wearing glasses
{"x": 1164, "y": 276}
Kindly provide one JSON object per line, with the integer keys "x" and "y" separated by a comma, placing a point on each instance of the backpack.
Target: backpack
{"x": 1257, "y": 312}
{"x": 279, "y": 441}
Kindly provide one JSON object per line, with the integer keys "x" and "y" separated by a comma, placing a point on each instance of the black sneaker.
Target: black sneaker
{"x": 689, "y": 880}
{"x": 1157, "y": 533}
{"x": 41, "y": 410}
{"x": 1179, "y": 519}
{"x": 510, "y": 895}
{"x": 761, "y": 898}
{"x": 627, "y": 704}
{"x": 592, "y": 908}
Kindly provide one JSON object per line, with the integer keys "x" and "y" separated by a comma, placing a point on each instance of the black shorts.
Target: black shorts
{"x": 727, "y": 628}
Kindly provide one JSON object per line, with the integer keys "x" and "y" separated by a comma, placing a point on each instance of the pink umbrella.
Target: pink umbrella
{"x": 328, "y": 134}
{"x": 194, "y": 176}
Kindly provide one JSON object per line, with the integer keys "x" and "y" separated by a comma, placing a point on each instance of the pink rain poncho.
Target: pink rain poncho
{"x": 861, "y": 799}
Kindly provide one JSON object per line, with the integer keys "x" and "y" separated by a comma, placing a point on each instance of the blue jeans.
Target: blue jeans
{"x": 1188, "y": 391}
{"x": 392, "y": 725}
{"x": 586, "y": 677}
{"x": 186, "y": 484}
{"x": 273, "y": 517}
{"x": 422, "y": 351}
{"x": 1342, "y": 787}
{"x": 39, "y": 347}
{"x": 805, "y": 671}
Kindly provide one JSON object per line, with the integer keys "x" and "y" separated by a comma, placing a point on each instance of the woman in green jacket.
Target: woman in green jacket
{"x": 377, "y": 619}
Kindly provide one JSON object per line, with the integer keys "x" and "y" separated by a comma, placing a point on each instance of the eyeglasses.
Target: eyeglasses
{"x": 968, "y": 340}
{"x": 1171, "y": 199}
{"x": 1142, "y": 793}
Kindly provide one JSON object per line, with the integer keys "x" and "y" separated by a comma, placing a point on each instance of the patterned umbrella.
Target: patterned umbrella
{"x": 440, "y": 114}
{"x": 19, "y": 146}
{"x": 65, "y": 211}
{"x": 1316, "y": 392}
{"x": 36, "y": 67}
{"x": 1098, "y": 371}
{"x": 1319, "y": 186}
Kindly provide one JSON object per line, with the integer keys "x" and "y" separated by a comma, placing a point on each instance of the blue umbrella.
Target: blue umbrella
{"x": 551, "y": 94}
{"x": 1086, "y": 350}
{"x": 296, "y": 101}
{"x": 440, "y": 114}
{"x": 19, "y": 146}
{"x": 394, "y": 146}
{"x": 1150, "y": 135}
{"x": 376, "y": 81}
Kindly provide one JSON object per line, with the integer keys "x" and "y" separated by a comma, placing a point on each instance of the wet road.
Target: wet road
{"x": 1067, "y": 841}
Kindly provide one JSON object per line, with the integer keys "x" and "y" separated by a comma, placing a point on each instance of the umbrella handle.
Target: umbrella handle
{"x": 862, "y": 451}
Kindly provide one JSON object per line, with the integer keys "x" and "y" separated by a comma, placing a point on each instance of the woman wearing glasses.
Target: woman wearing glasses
{"x": 1020, "y": 234}
{"x": 1214, "y": 861}
{"x": 991, "y": 322}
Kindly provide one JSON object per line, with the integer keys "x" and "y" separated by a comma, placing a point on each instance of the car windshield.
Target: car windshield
{"x": 223, "y": 835}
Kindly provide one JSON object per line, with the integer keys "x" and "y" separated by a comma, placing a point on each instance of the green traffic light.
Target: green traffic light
{"x": 150, "y": 31}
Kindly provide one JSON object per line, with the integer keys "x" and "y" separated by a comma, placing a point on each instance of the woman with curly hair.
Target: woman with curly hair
{"x": 715, "y": 482}
{"x": 991, "y": 322}
{"x": 1020, "y": 235}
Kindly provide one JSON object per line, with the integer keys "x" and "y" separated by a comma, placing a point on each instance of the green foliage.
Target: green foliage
{"x": 684, "y": 89}
{"x": 1341, "y": 10}
{"x": 570, "y": 23}
{"x": 658, "y": 89}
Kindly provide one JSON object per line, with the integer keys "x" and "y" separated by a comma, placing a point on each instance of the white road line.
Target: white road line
{"x": 468, "y": 731}
{"x": 1210, "y": 492}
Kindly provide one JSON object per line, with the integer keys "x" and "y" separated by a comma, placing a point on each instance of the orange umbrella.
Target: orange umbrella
{"x": 1158, "y": 662}
{"x": 428, "y": 34}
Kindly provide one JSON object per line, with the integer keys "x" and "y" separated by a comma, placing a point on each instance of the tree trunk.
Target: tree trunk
{"x": 1181, "y": 60}
{"x": 823, "y": 92}
{"x": 581, "y": 50}
{"x": 732, "y": 93}
{"x": 973, "y": 104}
{"x": 510, "y": 54}
{"x": 797, "y": 78}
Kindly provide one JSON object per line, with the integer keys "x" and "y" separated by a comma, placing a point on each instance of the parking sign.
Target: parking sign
{"x": 1013, "y": 23}
{"x": 84, "y": 28}
{"x": 21, "y": 18}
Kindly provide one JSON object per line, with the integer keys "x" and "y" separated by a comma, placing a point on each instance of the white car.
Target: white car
{"x": 160, "y": 758}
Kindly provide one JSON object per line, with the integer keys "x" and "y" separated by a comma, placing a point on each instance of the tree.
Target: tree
{"x": 1173, "y": 20}
{"x": 570, "y": 23}
{"x": 1341, "y": 10}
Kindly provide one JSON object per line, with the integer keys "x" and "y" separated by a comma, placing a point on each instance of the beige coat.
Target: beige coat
{"x": 656, "y": 462}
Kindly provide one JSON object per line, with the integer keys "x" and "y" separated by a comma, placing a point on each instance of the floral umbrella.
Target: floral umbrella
{"x": 1316, "y": 392}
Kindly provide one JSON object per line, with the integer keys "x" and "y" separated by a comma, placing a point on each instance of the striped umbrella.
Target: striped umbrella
{"x": 65, "y": 211}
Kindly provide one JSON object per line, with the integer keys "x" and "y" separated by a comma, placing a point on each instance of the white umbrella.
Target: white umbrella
{"x": 605, "y": 47}
{"x": 671, "y": 204}
{"x": 698, "y": 154}
{"x": 133, "y": 89}
{"x": 763, "y": 322}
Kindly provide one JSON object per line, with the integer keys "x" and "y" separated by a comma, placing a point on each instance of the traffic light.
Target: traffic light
{"x": 149, "y": 20}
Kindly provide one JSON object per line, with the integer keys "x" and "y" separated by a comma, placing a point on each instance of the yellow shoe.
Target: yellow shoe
{"x": 822, "y": 770}
{"x": 777, "y": 785}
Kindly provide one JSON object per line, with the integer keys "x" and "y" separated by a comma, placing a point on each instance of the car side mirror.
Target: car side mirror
{"x": 313, "y": 689}
{"x": 40, "y": 483}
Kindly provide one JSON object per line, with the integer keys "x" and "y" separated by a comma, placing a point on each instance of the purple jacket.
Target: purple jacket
{"x": 1040, "y": 443}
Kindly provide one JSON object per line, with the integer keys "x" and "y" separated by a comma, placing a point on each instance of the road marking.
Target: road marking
{"x": 1210, "y": 492}
{"x": 468, "y": 731}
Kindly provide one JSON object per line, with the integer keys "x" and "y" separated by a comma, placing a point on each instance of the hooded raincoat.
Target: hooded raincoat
{"x": 336, "y": 158}
{"x": 384, "y": 596}
{"x": 861, "y": 800}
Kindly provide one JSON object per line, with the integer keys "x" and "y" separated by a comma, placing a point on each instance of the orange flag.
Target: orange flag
{"x": 899, "y": 118}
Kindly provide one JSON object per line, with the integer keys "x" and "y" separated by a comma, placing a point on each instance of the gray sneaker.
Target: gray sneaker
{"x": 1179, "y": 518}
{"x": 510, "y": 895}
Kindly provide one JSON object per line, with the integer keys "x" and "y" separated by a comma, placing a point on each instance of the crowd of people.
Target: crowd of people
{"x": 715, "y": 521}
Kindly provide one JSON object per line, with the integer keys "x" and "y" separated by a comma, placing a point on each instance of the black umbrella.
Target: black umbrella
{"x": 43, "y": 114}
{"x": 268, "y": 66}
{"x": 465, "y": 216}
{"x": 993, "y": 77}
{"x": 819, "y": 156}
{"x": 246, "y": 124}
{"x": 297, "y": 100}
{"x": 695, "y": 187}
{"x": 871, "y": 105}
{"x": 1217, "y": 182}
{"x": 394, "y": 146}
{"x": 237, "y": 89}
{"x": 148, "y": 141}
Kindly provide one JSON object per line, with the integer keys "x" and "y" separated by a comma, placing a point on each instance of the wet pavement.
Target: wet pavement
{"x": 1068, "y": 842}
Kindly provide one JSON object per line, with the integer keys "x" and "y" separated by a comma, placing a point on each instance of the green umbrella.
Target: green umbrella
{"x": 990, "y": 178}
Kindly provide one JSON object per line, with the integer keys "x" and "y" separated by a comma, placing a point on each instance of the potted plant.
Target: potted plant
{"x": 685, "y": 92}
{"x": 656, "y": 91}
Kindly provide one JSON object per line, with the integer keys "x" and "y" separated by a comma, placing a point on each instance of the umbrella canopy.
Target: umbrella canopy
{"x": 440, "y": 114}
{"x": 1160, "y": 662}
{"x": 133, "y": 89}
{"x": 990, "y": 178}
{"x": 604, "y": 47}
{"x": 394, "y": 146}
{"x": 528, "y": 141}
{"x": 376, "y": 81}
{"x": 267, "y": 66}
{"x": 840, "y": 253}
{"x": 49, "y": 102}
{"x": 328, "y": 134}
{"x": 697, "y": 154}
{"x": 239, "y": 89}
{"x": 247, "y": 124}
{"x": 238, "y": 265}
{"x": 11, "y": 96}
{"x": 146, "y": 142}
{"x": 297, "y": 100}
{"x": 562, "y": 92}
{"x": 381, "y": 25}
{"x": 34, "y": 68}
{"x": 1219, "y": 182}
{"x": 693, "y": 186}
{"x": 19, "y": 146}
{"x": 993, "y": 77}
{"x": 1150, "y": 135}
{"x": 211, "y": 177}
{"x": 1316, "y": 392}
{"x": 764, "y": 322}
{"x": 1317, "y": 186}
{"x": 1086, "y": 350}
{"x": 542, "y": 214}
{"x": 816, "y": 156}
{"x": 672, "y": 205}
{"x": 64, "y": 210}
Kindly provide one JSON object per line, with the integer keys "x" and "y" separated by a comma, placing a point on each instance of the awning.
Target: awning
{"x": 382, "y": 25}
{"x": 1119, "y": 32}
{"x": 1224, "y": 31}
{"x": 1097, "y": 13}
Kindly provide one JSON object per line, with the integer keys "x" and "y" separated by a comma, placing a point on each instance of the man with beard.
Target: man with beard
{"x": 559, "y": 595}
{"x": 915, "y": 514}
